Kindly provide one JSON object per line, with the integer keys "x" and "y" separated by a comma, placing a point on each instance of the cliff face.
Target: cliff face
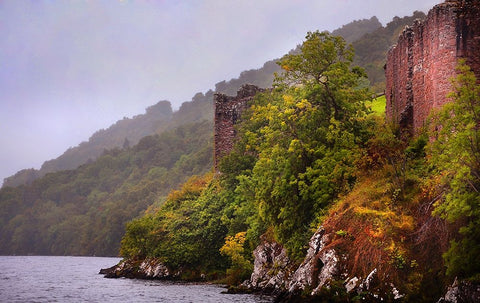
{"x": 420, "y": 66}
{"x": 227, "y": 113}
{"x": 311, "y": 280}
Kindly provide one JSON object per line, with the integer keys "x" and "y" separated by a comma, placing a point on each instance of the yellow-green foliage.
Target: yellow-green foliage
{"x": 377, "y": 105}
{"x": 304, "y": 134}
{"x": 455, "y": 154}
{"x": 374, "y": 224}
{"x": 241, "y": 267}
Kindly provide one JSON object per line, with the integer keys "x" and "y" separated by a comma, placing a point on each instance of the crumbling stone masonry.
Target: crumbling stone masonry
{"x": 420, "y": 66}
{"x": 227, "y": 113}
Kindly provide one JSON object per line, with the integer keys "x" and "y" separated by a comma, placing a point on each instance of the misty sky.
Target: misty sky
{"x": 69, "y": 68}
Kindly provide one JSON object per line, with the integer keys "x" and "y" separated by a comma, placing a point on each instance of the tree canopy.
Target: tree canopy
{"x": 303, "y": 134}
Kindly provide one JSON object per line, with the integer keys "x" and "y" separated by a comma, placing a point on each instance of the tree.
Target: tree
{"x": 304, "y": 135}
{"x": 323, "y": 67}
{"x": 456, "y": 156}
{"x": 241, "y": 267}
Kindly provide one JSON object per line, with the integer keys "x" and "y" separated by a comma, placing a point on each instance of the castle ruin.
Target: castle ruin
{"x": 420, "y": 67}
{"x": 228, "y": 110}
{"x": 418, "y": 71}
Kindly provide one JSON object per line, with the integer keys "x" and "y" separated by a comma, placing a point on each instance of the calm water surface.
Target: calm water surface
{"x": 76, "y": 279}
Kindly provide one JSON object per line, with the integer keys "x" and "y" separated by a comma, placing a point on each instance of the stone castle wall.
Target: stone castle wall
{"x": 228, "y": 110}
{"x": 420, "y": 66}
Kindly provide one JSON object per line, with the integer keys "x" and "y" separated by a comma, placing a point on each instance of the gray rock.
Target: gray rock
{"x": 351, "y": 284}
{"x": 271, "y": 267}
{"x": 319, "y": 266}
{"x": 153, "y": 268}
{"x": 365, "y": 286}
{"x": 462, "y": 292}
{"x": 149, "y": 268}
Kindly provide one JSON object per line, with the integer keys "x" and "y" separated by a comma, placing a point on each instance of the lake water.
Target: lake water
{"x": 76, "y": 279}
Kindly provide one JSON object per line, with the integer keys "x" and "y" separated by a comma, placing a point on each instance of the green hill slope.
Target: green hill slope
{"x": 84, "y": 211}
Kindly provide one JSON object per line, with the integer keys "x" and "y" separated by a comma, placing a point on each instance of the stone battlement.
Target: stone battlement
{"x": 228, "y": 110}
{"x": 420, "y": 66}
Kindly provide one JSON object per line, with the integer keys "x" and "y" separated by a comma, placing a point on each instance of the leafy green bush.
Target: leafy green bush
{"x": 455, "y": 153}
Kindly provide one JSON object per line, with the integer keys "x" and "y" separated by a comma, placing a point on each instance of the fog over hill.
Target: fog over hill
{"x": 72, "y": 68}
{"x": 371, "y": 48}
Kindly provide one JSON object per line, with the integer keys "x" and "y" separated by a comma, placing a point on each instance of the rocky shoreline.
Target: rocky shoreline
{"x": 149, "y": 268}
{"x": 320, "y": 276}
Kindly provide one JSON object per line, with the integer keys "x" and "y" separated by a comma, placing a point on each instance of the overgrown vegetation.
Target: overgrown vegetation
{"x": 296, "y": 152}
{"x": 416, "y": 201}
{"x": 375, "y": 224}
{"x": 311, "y": 151}
{"x": 304, "y": 138}
{"x": 455, "y": 156}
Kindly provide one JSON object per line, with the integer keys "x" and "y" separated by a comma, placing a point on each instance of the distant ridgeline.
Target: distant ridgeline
{"x": 420, "y": 66}
{"x": 370, "y": 40}
{"x": 124, "y": 133}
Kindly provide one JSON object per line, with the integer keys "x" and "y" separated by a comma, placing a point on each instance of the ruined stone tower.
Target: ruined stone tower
{"x": 228, "y": 110}
{"x": 420, "y": 66}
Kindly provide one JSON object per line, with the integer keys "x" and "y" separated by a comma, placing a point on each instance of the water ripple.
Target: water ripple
{"x": 76, "y": 279}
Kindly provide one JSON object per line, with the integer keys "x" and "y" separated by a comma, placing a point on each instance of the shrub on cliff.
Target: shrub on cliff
{"x": 456, "y": 156}
{"x": 186, "y": 233}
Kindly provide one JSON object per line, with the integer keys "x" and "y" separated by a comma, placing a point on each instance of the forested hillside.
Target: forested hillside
{"x": 355, "y": 30}
{"x": 371, "y": 49}
{"x": 371, "y": 44}
{"x": 96, "y": 200}
{"x": 84, "y": 211}
{"x": 124, "y": 133}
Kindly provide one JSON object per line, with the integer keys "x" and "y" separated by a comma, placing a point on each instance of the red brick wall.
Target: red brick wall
{"x": 227, "y": 113}
{"x": 420, "y": 66}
